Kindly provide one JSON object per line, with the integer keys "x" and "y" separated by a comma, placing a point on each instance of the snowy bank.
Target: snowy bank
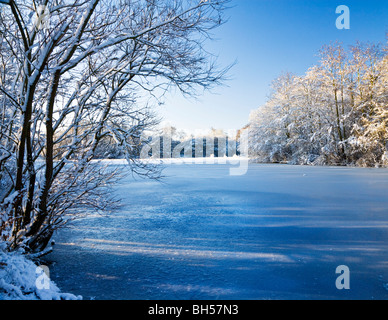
{"x": 21, "y": 279}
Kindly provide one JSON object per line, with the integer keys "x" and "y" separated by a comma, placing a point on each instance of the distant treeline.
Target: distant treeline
{"x": 169, "y": 143}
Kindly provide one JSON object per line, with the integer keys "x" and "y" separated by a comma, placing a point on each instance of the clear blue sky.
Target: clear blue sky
{"x": 267, "y": 37}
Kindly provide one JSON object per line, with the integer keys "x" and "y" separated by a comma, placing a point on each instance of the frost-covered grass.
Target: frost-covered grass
{"x": 19, "y": 280}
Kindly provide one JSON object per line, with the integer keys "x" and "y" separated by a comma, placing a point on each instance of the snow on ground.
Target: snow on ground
{"x": 21, "y": 279}
{"x": 277, "y": 232}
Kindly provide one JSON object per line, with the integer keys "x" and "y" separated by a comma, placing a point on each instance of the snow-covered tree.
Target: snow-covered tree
{"x": 72, "y": 73}
{"x": 335, "y": 114}
{"x": 368, "y": 143}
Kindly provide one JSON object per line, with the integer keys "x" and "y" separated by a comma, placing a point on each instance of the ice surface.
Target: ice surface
{"x": 278, "y": 232}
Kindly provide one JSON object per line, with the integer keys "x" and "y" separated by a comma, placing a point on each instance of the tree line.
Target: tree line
{"x": 335, "y": 114}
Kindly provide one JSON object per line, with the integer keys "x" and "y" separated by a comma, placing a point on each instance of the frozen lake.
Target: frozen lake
{"x": 278, "y": 232}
